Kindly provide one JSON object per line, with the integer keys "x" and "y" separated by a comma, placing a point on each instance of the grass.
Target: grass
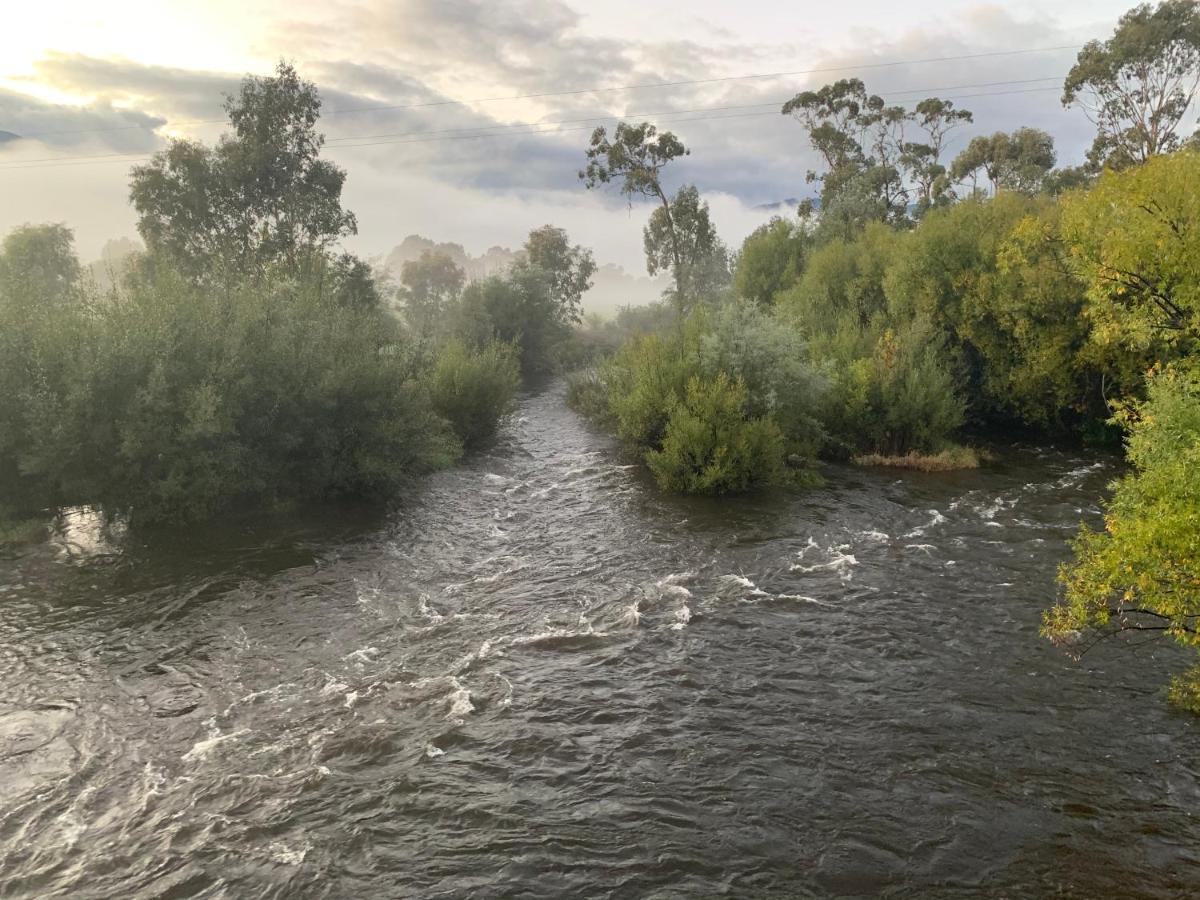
{"x": 948, "y": 460}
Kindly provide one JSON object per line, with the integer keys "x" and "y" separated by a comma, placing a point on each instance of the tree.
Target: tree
{"x": 262, "y": 197}
{"x": 1137, "y": 86}
{"x": 1142, "y": 573}
{"x": 1017, "y": 162}
{"x": 636, "y": 156}
{"x": 38, "y": 268}
{"x": 568, "y": 267}
{"x": 871, "y": 168}
{"x": 1134, "y": 239}
{"x": 937, "y": 118}
{"x": 681, "y": 236}
{"x": 771, "y": 260}
{"x": 517, "y": 308}
{"x": 832, "y": 117}
{"x": 428, "y": 285}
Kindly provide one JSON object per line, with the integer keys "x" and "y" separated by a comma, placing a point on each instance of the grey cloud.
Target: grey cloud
{"x": 164, "y": 90}
{"x": 99, "y": 125}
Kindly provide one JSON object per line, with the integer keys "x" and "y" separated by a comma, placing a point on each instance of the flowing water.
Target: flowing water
{"x": 541, "y": 678}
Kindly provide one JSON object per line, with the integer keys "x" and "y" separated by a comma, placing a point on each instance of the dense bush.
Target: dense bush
{"x": 172, "y": 401}
{"x": 473, "y": 389}
{"x": 771, "y": 361}
{"x": 717, "y": 404}
{"x": 711, "y": 444}
{"x": 1143, "y": 571}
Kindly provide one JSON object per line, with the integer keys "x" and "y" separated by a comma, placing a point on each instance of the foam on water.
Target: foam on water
{"x": 201, "y": 749}
{"x": 839, "y": 560}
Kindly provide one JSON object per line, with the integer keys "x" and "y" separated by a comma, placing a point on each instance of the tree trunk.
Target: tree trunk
{"x": 679, "y": 295}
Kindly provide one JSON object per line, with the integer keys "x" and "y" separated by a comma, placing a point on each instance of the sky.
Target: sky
{"x": 95, "y": 88}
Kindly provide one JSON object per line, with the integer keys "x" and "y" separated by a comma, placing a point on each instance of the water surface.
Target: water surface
{"x": 539, "y": 678}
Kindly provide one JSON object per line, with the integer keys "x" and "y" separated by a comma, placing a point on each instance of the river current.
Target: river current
{"x": 538, "y": 677}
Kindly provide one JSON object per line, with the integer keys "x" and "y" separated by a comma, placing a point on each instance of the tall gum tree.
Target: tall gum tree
{"x": 635, "y": 157}
{"x": 1137, "y": 86}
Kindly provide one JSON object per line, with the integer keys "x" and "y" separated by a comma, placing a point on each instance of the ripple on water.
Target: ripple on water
{"x": 542, "y": 678}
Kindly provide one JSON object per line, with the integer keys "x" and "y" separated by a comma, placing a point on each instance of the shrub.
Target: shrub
{"x": 587, "y": 394}
{"x": 174, "y": 401}
{"x": 1143, "y": 571}
{"x": 710, "y": 445}
{"x": 771, "y": 360}
{"x": 473, "y": 391}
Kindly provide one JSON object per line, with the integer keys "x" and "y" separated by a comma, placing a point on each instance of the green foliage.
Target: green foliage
{"x": 842, "y": 283}
{"x": 645, "y": 380}
{"x": 1020, "y": 161}
{"x": 533, "y": 305}
{"x": 1137, "y": 86}
{"x": 712, "y": 446}
{"x": 1134, "y": 240}
{"x": 771, "y": 362}
{"x": 174, "y": 401}
{"x": 38, "y": 268}
{"x": 872, "y": 171}
{"x": 516, "y": 309}
{"x": 635, "y": 157}
{"x": 261, "y": 198}
{"x": 568, "y": 268}
{"x": 474, "y": 389}
{"x": 902, "y": 398}
{"x": 988, "y": 276}
{"x": 587, "y": 394}
{"x": 680, "y": 237}
{"x": 1143, "y": 571}
{"x": 715, "y": 405}
{"x": 429, "y": 285}
{"x": 771, "y": 259}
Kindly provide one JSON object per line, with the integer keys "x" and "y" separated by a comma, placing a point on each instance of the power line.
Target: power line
{"x": 598, "y": 90}
{"x": 503, "y": 129}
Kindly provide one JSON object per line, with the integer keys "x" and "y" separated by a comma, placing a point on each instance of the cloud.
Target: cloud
{"x": 100, "y": 124}
{"x": 429, "y": 168}
{"x": 167, "y": 91}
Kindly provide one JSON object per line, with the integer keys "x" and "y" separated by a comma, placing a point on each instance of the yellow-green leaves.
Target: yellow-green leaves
{"x": 1134, "y": 239}
{"x": 1143, "y": 571}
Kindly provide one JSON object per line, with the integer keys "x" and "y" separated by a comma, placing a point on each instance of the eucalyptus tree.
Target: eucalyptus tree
{"x": 871, "y": 167}
{"x": 1137, "y": 86}
{"x": 681, "y": 235}
{"x": 923, "y": 159}
{"x": 1019, "y": 161}
{"x": 635, "y": 157}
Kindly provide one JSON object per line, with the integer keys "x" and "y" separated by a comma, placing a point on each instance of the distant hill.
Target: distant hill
{"x": 6, "y": 136}
{"x": 788, "y": 205}
{"x": 612, "y": 286}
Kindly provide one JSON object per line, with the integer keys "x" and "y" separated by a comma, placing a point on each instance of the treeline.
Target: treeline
{"x": 243, "y": 359}
{"x": 918, "y": 300}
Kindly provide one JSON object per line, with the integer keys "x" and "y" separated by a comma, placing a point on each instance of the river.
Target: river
{"x": 538, "y": 677}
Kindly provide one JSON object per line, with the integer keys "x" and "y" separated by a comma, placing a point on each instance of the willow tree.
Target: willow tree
{"x": 1134, "y": 240}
